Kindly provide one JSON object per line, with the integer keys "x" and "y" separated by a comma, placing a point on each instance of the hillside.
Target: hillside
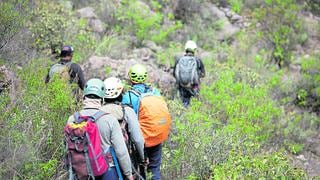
{"x": 258, "y": 113}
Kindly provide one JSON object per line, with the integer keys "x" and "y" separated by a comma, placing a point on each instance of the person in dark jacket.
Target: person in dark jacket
{"x": 186, "y": 92}
{"x": 74, "y": 70}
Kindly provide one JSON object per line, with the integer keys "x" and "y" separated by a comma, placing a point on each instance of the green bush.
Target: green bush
{"x": 256, "y": 166}
{"x": 32, "y": 138}
{"x": 48, "y": 25}
{"x": 137, "y": 19}
{"x": 308, "y": 95}
{"x": 233, "y": 114}
{"x": 12, "y": 18}
{"x": 281, "y": 27}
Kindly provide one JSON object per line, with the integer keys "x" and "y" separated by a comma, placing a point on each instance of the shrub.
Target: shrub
{"x": 232, "y": 115}
{"x": 48, "y": 26}
{"x": 12, "y": 18}
{"x": 137, "y": 19}
{"x": 32, "y": 139}
{"x": 308, "y": 95}
{"x": 257, "y": 166}
{"x": 282, "y": 28}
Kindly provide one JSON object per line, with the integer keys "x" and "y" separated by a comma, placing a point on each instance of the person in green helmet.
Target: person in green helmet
{"x": 109, "y": 129}
{"x": 138, "y": 76}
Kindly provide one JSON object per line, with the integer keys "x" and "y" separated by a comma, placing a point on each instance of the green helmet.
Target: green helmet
{"x": 96, "y": 87}
{"x": 138, "y": 73}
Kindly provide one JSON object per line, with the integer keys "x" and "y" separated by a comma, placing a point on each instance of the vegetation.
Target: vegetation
{"x": 251, "y": 119}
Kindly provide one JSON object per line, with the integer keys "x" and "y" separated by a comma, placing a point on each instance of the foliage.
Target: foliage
{"x": 281, "y": 27}
{"x": 308, "y": 95}
{"x": 137, "y": 19}
{"x": 314, "y": 6}
{"x": 236, "y": 5}
{"x": 167, "y": 57}
{"x": 12, "y": 18}
{"x": 256, "y": 166}
{"x": 232, "y": 115}
{"x": 32, "y": 126}
{"x": 81, "y": 38}
{"x": 48, "y": 26}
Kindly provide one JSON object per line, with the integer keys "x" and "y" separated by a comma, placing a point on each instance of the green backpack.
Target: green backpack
{"x": 61, "y": 70}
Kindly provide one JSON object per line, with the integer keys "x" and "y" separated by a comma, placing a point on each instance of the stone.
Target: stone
{"x": 87, "y": 12}
{"x": 96, "y": 25}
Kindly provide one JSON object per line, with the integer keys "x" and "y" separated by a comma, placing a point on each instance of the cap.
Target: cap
{"x": 66, "y": 50}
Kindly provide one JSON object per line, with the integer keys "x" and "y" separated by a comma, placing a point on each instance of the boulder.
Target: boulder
{"x": 103, "y": 67}
{"x": 87, "y": 12}
{"x": 96, "y": 25}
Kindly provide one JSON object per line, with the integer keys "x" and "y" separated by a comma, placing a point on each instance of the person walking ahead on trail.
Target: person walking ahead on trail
{"x": 188, "y": 70}
{"x": 110, "y": 131}
{"x": 127, "y": 118}
{"x": 66, "y": 69}
{"x": 154, "y": 117}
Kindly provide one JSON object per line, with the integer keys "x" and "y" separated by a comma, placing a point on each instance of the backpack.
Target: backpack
{"x": 154, "y": 117}
{"x": 85, "y": 157}
{"x": 186, "y": 71}
{"x": 62, "y": 70}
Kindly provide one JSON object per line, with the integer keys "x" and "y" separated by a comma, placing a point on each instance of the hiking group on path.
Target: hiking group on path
{"x": 117, "y": 134}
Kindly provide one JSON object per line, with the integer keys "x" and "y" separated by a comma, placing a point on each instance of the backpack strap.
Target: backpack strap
{"x": 115, "y": 160}
{"x": 98, "y": 115}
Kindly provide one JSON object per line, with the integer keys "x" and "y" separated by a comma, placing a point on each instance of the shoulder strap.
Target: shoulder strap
{"x": 123, "y": 112}
{"x": 98, "y": 115}
{"x": 77, "y": 118}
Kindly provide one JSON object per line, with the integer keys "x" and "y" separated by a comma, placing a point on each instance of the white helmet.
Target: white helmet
{"x": 190, "y": 46}
{"x": 113, "y": 86}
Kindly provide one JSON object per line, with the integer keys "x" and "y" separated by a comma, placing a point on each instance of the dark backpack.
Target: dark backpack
{"x": 85, "y": 157}
{"x": 186, "y": 72}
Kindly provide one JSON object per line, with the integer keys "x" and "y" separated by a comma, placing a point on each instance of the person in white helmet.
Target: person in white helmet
{"x": 188, "y": 70}
{"x": 127, "y": 119}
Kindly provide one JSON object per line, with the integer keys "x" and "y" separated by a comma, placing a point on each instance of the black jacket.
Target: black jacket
{"x": 76, "y": 74}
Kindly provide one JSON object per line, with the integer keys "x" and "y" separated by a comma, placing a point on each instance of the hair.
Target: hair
{"x": 117, "y": 99}
{"x": 92, "y": 96}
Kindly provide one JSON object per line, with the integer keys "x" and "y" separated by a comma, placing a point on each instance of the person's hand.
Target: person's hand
{"x": 146, "y": 162}
{"x": 131, "y": 177}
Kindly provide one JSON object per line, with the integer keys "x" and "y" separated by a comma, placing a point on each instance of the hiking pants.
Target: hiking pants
{"x": 154, "y": 155}
{"x": 186, "y": 94}
{"x": 110, "y": 174}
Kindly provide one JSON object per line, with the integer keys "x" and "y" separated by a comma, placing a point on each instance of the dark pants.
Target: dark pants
{"x": 155, "y": 155}
{"x": 111, "y": 174}
{"x": 187, "y": 93}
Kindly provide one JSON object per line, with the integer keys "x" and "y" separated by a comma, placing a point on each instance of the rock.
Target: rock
{"x": 236, "y": 18}
{"x": 143, "y": 54}
{"x": 103, "y": 67}
{"x": 227, "y": 31}
{"x": 96, "y": 25}
{"x": 301, "y": 157}
{"x": 215, "y": 11}
{"x": 151, "y": 45}
{"x": 87, "y": 12}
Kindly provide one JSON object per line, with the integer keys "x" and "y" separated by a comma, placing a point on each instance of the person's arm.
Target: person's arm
{"x": 118, "y": 143}
{"x": 135, "y": 131}
{"x": 201, "y": 68}
{"x": 77, "y": 73}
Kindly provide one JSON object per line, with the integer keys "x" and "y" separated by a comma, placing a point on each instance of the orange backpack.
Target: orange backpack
{"x": 154, "y": 118}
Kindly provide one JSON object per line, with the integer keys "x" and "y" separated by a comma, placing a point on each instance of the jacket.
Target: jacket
{"x": 131, "y": 99}
{"x": 76, "y": 74}
{"x": 110, "y": 133}
{"x": 133, "y": 124}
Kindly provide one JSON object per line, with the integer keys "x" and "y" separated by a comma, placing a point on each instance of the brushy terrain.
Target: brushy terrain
{"x": 259, "y": 103}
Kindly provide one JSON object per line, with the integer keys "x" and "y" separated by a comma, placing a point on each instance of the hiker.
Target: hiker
{"x": 66, "y": 68}
{"x": 109, "y": 138}
{"x": 188, "y": 70}
{"x": 128, "y": 121}
{"x": 153, "y": 115}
